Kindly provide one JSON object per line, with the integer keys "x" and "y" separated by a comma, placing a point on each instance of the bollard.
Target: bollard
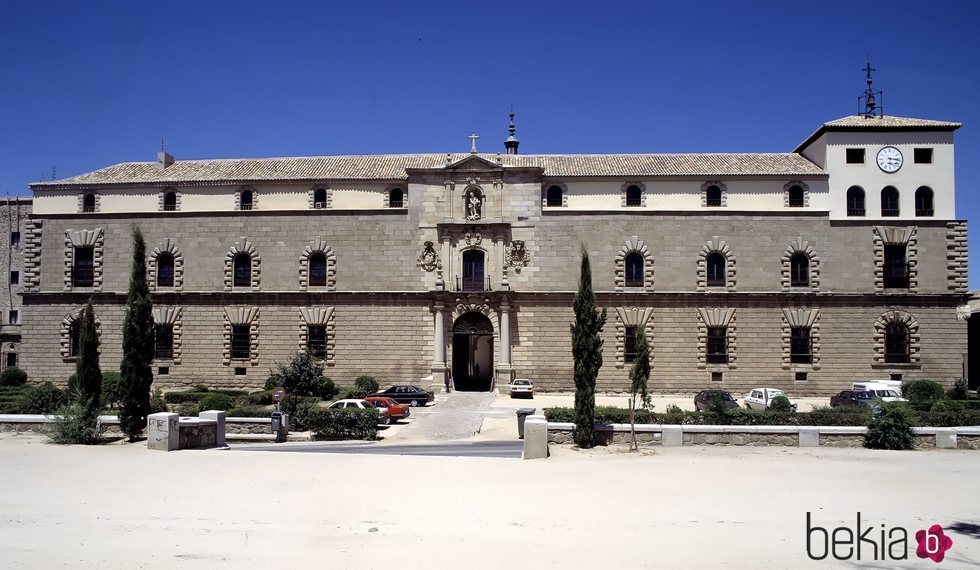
{"x": 219, "y": 417}
{"x": 809, "y": 437}
{"x": 945, "y": 438}
{"x": 535, "y": 437}
{"x": 162, "y": 431}
{"x": 672, "y": 436}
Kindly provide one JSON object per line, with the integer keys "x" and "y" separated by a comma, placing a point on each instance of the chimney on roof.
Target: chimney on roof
{"x": 164, "y": 160}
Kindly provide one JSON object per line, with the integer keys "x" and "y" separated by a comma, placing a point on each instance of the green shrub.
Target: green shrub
{"x": 351, "y": 392}
{"x": 216, "y": 401}
{"x": 193, "y": 396}
{"x": 73, "y": 426}
{"x": 42, "y": 399}
{"x": 157, "y": 403}
{"x": 716, "y": 404}
{"x": 890, "y": 428}
{"x": 270, "y": 383}
{"x": 260, "y": 398}
{"x": 250, "y": 412}
{"x": 302, "y": 377}
{"x": 780, "y": 404}
{"x": 345, "y": 423}
{"x": 188, "y": 409}
{"x": 674, "y": 409}
{"x": 922, "y": 394}
{"x": 111, "y": 389}
{"x": 947, "y": 406}
{"x": 367, "y": 383}
{"x": 959, "y": 391}
{"x": 13, "y": 377}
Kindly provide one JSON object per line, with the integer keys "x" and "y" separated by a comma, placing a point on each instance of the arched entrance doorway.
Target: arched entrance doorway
{"x": 473, "y": 353}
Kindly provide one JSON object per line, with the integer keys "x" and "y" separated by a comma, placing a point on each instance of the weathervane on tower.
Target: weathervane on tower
{"x": 869, "y": 104}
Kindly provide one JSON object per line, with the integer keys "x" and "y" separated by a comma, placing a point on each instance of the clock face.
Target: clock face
{"x": 889, "y": 159}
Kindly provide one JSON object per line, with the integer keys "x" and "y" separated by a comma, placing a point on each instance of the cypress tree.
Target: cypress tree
{"x": 137, "y": 344}
{"x": 87, "y": 367}
{"x": 639, "y": 378}
{"x": 587, "y": 354}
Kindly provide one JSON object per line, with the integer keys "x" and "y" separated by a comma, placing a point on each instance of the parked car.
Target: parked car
{"x": 760, "y": 398}
{"x": 853, "y": 399}
{"x": 406, "y": 394}
{"x": 395, "y": 410}
{"x": 886, "y": 390}
{"x": 702, "y": 402}
{"x": 521, "y": 387}
{"x": 383, "y": 417}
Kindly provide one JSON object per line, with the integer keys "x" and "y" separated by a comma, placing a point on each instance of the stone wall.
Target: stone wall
{"x": 14, "y": 217}
{"x": 193, "y": 435}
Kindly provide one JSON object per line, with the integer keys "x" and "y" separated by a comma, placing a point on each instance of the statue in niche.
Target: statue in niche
{"x": 428, "y": 260}
{"x": 517, "y": 255}
{"x": 474, "y": 204}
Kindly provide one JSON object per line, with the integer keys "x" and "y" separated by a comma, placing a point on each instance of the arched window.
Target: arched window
{"x": 246, "y": 200}
{"x": 396, "y": 198}
{"x": 897, "y": 342}
{"x": 634, "y": 270}
{"x": 795, "y": 197}
{"x": 799, "y": 270}
{"x": 170, "y": 201}
{"x": 712, "y": 196}
{"x": 923, "y": 201}
{"x": 320, "y": 198}
{"x": 633, "y": 196}
{"x": 88, "y": 202}
{"x": 318, "y": 270}
{"x": 74, "y": 336}
{"x": 165, "y": 270}
{"x": 715, "y": 265}
{"x": 243, "y": 270}
{"x": 889, "y": 201}
{"x": 855, "y": 201}
{"x": 554, "y": 197}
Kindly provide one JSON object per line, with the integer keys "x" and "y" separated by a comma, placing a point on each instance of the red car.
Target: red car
{"x": 395, "y": 410}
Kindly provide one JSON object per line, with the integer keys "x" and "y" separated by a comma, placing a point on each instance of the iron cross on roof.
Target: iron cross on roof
{"x": 473, "y": 138}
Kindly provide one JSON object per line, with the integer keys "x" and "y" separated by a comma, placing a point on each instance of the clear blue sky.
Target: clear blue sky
{"x": 89, "y": 84}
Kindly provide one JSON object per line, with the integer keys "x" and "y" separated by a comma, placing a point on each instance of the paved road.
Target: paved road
{"x": 454, "y": 416}
{"x": 501, "y": 449}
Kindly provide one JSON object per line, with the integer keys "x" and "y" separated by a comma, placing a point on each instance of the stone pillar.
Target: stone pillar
{"x": 163, "y": 431}
{"x": 809, "y": 437}
{"x": 535, "y": 437}
{"x": 219, "y": 418}
{"x": 439, "y": 343}
{"x": 945, "y": 438}
{"x": 504, "y": 368}
{"x": 672, "y": 436}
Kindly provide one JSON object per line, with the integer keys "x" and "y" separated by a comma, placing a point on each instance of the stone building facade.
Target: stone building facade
{"x": 805, "y": 270}
{"x": 14, "y": 219}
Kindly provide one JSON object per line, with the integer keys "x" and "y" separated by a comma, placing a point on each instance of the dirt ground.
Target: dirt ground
{"x": 122, "y": 506}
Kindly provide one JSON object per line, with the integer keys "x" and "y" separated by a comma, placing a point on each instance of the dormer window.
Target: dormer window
{"x": 170, "y": 201}
{"x": 712, "y": 197}
{"x": 320, "y": 198}
{"x": 633, "y": 196}
{"x": 796, "y": 197}
{"x": 246, "y": 200}
{"x": 88, "y": 202}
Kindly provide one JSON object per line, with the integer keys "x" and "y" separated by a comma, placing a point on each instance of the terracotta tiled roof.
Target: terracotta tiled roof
{"x": 888, "y": 122}
{"x": 393, "y": 167}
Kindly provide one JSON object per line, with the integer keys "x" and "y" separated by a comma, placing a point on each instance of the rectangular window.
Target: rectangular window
{"x": 240, "y": 341}
{"x": 629, "y": 344}
{"x": 896, "y": 268}
{"x": 717, "y": 376}
{"x": 800, "y": 377}
{"x": 922, "y": 155}
{"x": 83, "y": 268}
{"x": 14, "y": 239}
{"x": 855, "y": 155}
{"x": 164, "y": 341}
{"x": 241, "y": 371}
{"x": 163, "y": 371}
{"x": 11, "y": 360}
{"x": 14, "y": 317}
{"x": 896, "y": 377}
{"x": 800, "y": 345}
{"x": 15, "y": 277}
{"x": 717, "y": 348}
{"x": 316, "y": 340}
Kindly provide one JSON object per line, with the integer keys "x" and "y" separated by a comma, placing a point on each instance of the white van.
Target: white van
{"x": 887, "y": 390}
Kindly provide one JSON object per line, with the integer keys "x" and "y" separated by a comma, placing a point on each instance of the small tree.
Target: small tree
{"x": 138, "y": 333}
{"x": 889, "y": 429}
{"x": 587, "y": 354}
{"x": 301, "y": 378}
{"x": 87, "y": 368}
{"x": 639, "y": 378}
